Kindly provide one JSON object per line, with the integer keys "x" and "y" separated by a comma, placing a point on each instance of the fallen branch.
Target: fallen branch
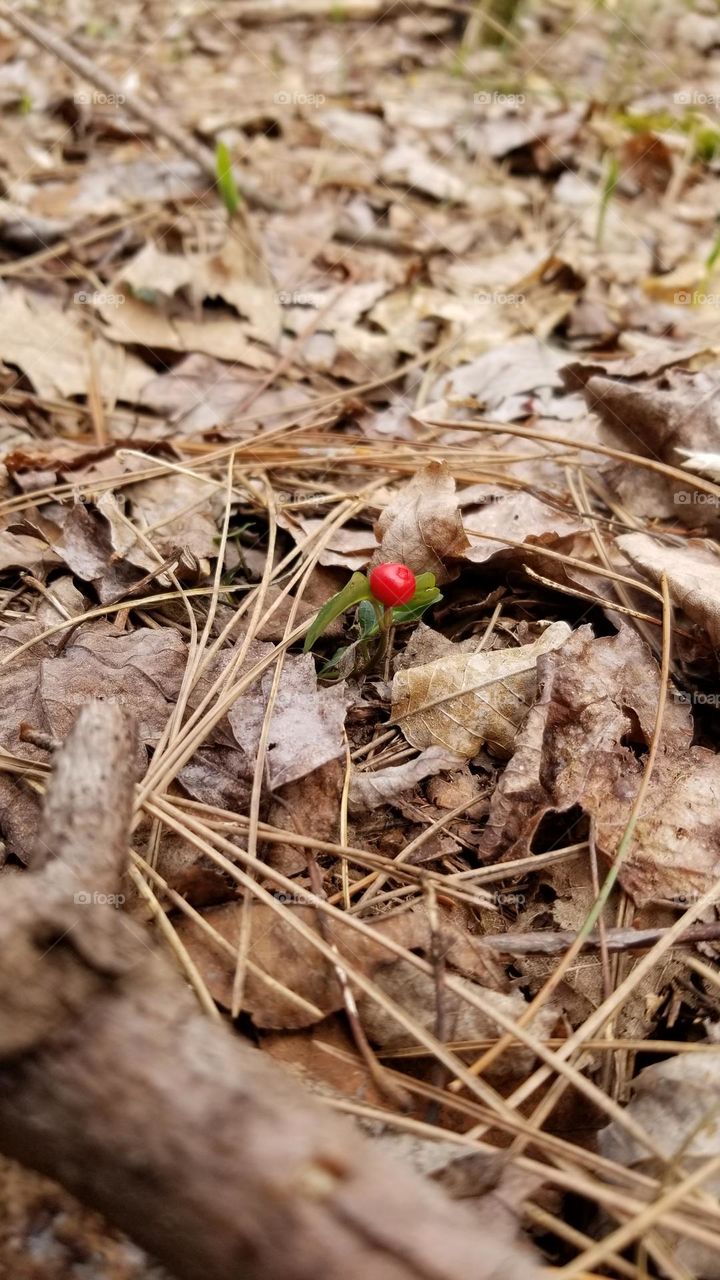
{"x": 186, "y": 1137}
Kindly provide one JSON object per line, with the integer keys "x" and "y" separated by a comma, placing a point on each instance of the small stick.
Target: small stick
{"x": 548, "y": 942}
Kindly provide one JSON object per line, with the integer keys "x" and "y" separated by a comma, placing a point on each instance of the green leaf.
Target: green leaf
{"x": 416, "y": 607}
{"x": 367, "y": 620}
{"x": 357, "y": 589}
{"x": 714, "y": 254}
{"x": 330, "y": 669}
{"x": 226, "y": 179}
{"x": 424, "y": 582}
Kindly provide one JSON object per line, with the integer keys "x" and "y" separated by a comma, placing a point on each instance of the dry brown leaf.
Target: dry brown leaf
{"x": 463, "y": 701}
{"x": 421, "y": 525}
{"x": 140, "y": 670}
{"x": 598, "y": 698}
{"x": 677, "y": 1103}
{"x": 308, "y": 807}
{"x": 191, "y": 873}
{"x": 218, "y": 273}
{"x": 218, "y": 775}
{"x": 372, "y": 789}
{"x": 22, "y": 551}
{"x": 692, "y": 571}
{"x": 292, "y": 965}
{"x": 657, "y": 417}
{"x": 416, "y": 993}
{"x": 59, "y": 355}
{"x": 503, "y": 381}
{"x": 136, "y": 323}
{"x": 179, "y": 512}
{"x": 349, "y": 547}
{"x": 306, "y": 729}
{"x": 519, "y": 516}
{"x": 200, "y": 393}
{"x": 86, "y": 546}
{"x": 326, "y": 1060}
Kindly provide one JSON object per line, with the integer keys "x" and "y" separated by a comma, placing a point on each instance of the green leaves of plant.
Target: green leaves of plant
{"x": 227, "y": 185}
{"x": 357, "y": 589}
{"x": 357, "y": 592}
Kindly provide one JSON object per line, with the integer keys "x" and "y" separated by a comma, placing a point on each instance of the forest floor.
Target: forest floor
{"x": 289, "y": 289}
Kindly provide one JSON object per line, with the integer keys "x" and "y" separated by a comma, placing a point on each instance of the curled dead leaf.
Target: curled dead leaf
{"x": 421, "y": 526}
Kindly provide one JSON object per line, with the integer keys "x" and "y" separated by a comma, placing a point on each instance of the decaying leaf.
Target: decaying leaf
{"x": 290, "y": 984}
{"x": 416, "y": 993}
{"x": 677, "y": 1104}
{"x": 141, "y": 323}
{"x": 223, "y": 272}
{"x": 373, "y": 789}
{"x": 140, "y": 670}
{"x": 692, "y": 571}
{"x": 462, "y": 702}
{"x": 505, "y": 381}
{"x": 306, "y": 729}
{"x": 421, "y": 526}
{"x": 201, "y": 392}
{"x": 597, "y": 700}
{"x": 519, "y": 516}
{"x": 309, "y": 807}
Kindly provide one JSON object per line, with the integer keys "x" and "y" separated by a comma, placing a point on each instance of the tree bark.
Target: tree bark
{"x": 190, "y": 1140}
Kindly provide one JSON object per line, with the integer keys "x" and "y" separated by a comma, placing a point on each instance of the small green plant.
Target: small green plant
{"x": 713, "y": 256}
{"x": 390, "y": 596}
{"x": 227, "y": 185}
{"x": 704, "y": 134}
{"x": 610, "y": 181}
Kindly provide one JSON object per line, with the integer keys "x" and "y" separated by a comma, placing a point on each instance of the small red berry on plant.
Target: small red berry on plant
{"x": 392, "y": 584}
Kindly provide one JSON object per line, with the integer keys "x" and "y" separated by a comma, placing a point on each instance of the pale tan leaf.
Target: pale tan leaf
{"x": 520, "y": 517}
{"x": 306, "y": 728}
{"x": 371, "y": 790}
{"x": 463, "y": 701}
{"x": 139, "y": 323}
{"x": 598, "y": 697}
{"x": 221, "y": 273}
{"x": 59, "y": 355}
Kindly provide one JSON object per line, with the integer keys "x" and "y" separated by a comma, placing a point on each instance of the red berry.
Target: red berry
{"x": 392, "y": 584}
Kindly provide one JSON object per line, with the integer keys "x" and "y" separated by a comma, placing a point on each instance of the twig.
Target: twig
{"x": 550, "y": 942}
